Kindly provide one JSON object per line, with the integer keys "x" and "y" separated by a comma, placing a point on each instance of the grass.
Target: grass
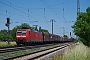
{"x": 79, "y": 52}
{"x": 33, "y": 49}
{"x": 17, "y": 53}
{"x": 4, "y": 44}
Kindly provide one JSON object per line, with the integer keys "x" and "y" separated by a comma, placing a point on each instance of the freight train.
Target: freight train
{"x": 28, "y": 36}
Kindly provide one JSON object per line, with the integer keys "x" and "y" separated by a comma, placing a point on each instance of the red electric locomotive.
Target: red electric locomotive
{"x": 27, "y": 36}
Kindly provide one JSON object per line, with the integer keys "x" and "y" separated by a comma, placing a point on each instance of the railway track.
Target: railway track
{"x": 40, "y": 53}
{"x": 11, "y": 49}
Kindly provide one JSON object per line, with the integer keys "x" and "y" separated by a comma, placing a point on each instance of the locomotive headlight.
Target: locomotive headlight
{"x": 23, "y": 36}
{"x": 17, "y": 36}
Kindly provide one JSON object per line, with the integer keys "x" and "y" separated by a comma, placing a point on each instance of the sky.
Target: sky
{"x": 63, "y": 12}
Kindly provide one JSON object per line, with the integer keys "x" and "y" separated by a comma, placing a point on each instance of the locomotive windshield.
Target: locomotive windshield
{"x": 21, "y": 32}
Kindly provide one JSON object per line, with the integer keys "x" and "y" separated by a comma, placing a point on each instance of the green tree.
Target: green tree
{"x": 43, "y": 30}
{"x": 65, "y": 36}
{"x": 25, "y": 25}
{"x": 3, "y": 35}
{"x": 82, "y": 27}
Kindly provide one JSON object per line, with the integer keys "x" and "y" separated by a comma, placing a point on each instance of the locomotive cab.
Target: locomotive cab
{"x": 21, "y": 36}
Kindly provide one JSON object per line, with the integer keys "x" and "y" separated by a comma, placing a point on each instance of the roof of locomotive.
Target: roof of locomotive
{"x": 27, "y": 29}
{"x": 24, "y": 28}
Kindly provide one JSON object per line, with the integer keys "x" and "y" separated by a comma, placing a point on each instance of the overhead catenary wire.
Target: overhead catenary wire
{"x": 16, "y": 9}
{"x": 50, "y": 8}
{"x": 48, "y": 5}
{"x": 60, "y": 3}
{"x": 28, "y": 14}
{"x": 11, "y": 5}
{"x": 44, "y": 12}
{"x": 11, "y": 17}
{"x": 64, "y": 16}
{"x": 39, "y": 8}
{"x": 25, "y": 21}
{"x": 6, "y": 13}
{"x": 20, "y": 6}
